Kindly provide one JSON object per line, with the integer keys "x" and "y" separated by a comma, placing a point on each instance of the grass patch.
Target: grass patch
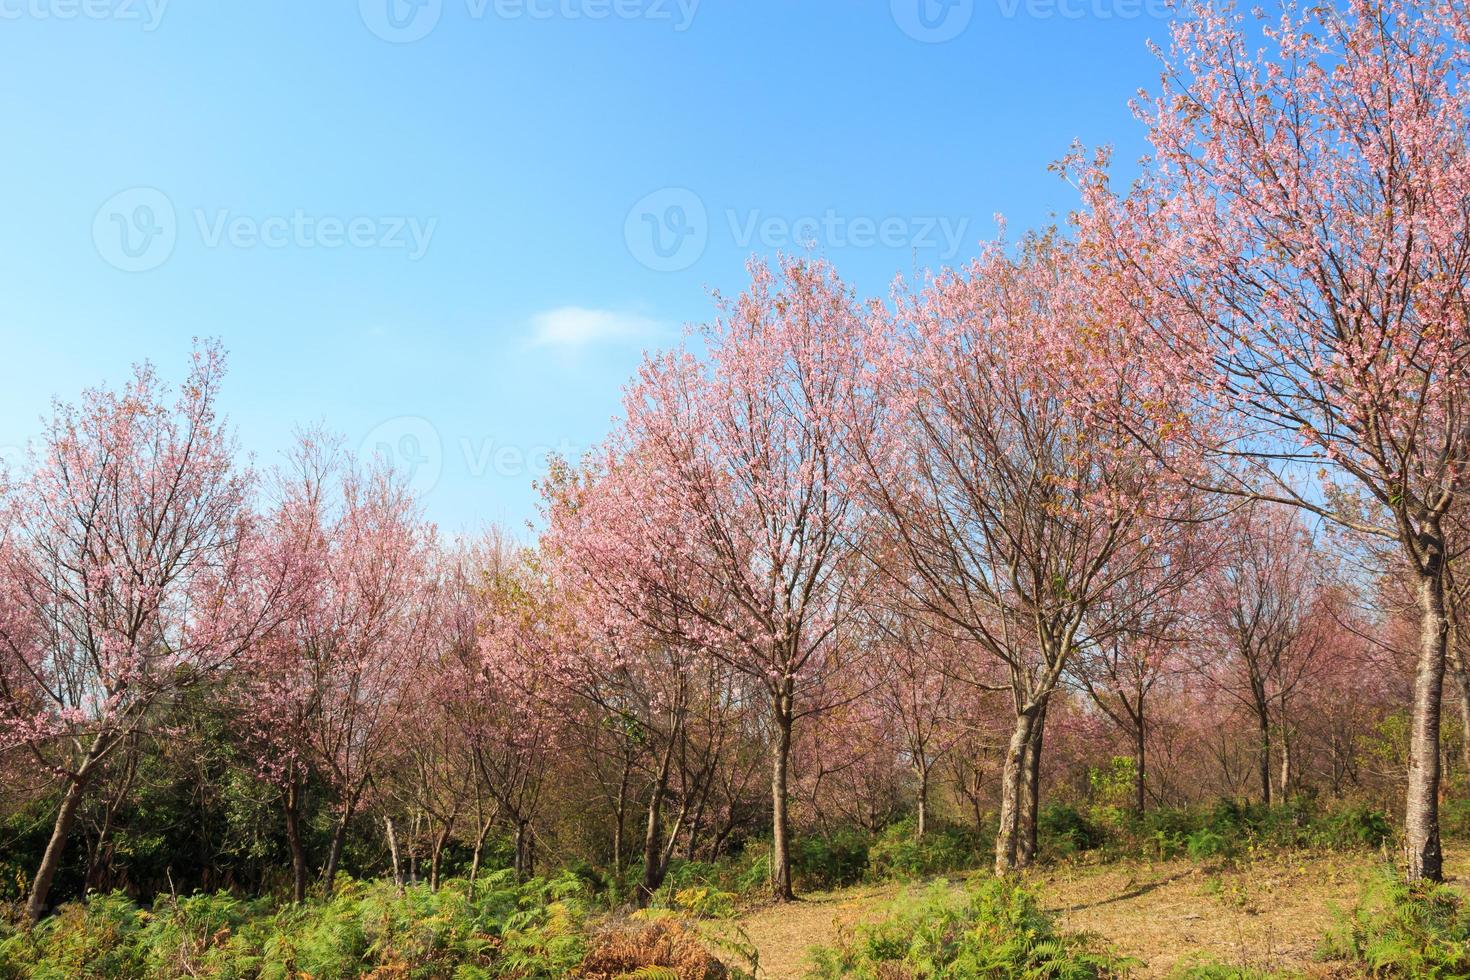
{"x": 1404, "y": 930}
{"x": 992, "y": 929}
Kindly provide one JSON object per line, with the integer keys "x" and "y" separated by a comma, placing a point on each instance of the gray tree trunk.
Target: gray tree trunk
{"x": 1421, "y": 808}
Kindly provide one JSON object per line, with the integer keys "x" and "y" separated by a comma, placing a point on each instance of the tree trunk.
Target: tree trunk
{"x": 1010, "y": 794}
{"x": 484, "y": 832}
{"x": 1140, "y": 769}
{"x": 393, "y": 852}
{"x": 293, "y": 840}
{"x": 71, "y": 802}
{"x": 525, "y": 856}
{"x": 781, "y": 889}
{"x": 620, "y": 820}
{"x": 1031, "y": 795}
{"x": 1285, "y": 765}
{"x": 1421, "y": 808}
{"x": 653, "y": 851}
{"x": 334, "y": 854}
{"x": 1263, "y": 724}
{"x": 440, "y": 839}
{"x": 923, "y": 822}
{"x": 99, "y": 857}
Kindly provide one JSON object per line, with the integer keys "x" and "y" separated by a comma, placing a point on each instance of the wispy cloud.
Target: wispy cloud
{"x": 576, "y": 327}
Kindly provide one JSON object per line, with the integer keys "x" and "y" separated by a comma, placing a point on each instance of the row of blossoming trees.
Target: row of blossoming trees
{"x": 855, "y": 558}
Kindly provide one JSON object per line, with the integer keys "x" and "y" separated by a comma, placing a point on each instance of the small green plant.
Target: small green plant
{"x": 1064, "y": 830}
{"x": 1205, "y": 844}
{"x": 834, "y": 860}
{"x": 1207, "y": 969}
{"x": 1354, "y": 826}
{"x": 994, "y": 929}
{"x": 1404, "y": 930}
{"x": 705, "y": 903}
{"x": 899, "y": 855}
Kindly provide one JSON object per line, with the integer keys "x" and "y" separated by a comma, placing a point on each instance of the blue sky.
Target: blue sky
{"x": 450, "y": 227}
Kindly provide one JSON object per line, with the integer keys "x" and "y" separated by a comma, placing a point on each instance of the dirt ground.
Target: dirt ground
{"x": 1268, "y": 914}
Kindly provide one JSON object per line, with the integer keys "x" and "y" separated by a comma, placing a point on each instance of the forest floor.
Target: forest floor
{"x": 1268, "y": 913}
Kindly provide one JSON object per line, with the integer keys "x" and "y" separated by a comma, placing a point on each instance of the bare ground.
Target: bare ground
{"x": 1267, "y": 913}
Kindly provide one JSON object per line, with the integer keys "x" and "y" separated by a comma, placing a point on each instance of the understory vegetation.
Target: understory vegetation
{"x": 994, "y": 929}
{"x": 581, "y": 922}
{"x": 493, "y": 927}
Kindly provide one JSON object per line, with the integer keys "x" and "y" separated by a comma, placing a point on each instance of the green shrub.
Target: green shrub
{"x": 995, "y": 929}
{"x": 494, "y": 928}
{"x": 1402, "y": 930}
{"x": 1354, "y": 826}
{"x": 1225, "y": 829}
{"x": 98, "y": 939}
{"x": 898, "y": 854}
{"x": 820, "y": 862}
{"x": 1063, "y": 830}
{"x": 1205, "y": 844}
{"x": 703, "y": 902}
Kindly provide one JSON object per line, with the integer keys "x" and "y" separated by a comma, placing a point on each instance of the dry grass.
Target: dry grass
{"x": 784, "y": 933}
{"x": 1268, "y": 913}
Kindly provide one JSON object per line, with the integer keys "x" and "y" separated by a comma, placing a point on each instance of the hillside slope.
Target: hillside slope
{"x": 1268, "y": 913}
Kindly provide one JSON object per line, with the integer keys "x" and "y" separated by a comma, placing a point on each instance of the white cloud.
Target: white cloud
{"x": 575, "y": 327}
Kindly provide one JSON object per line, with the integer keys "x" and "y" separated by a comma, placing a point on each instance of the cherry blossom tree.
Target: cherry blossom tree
{"x": 501, "y": 689}
{"x": 1141, "y": 652}
{"x": 1262, "y": 625}
{"x": 920, "y": 691}
{"x": 330, "y": 685}
{"x": 724, "y": 502}
{"x": 133, "y": 568}
{"x": 1014, "y": 504}
{"x": 1296, "y": 256}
